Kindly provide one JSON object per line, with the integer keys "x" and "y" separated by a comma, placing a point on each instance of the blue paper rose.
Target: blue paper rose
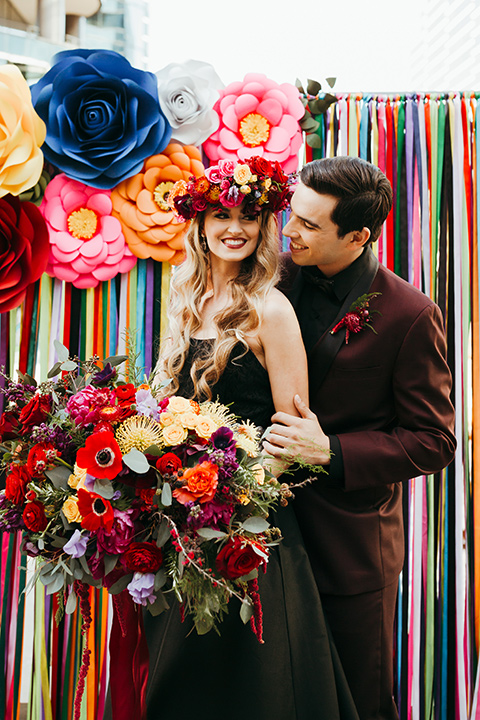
{"x": 102, "y": 115}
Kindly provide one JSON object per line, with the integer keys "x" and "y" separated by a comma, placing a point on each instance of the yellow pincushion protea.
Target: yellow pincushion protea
{"x": 219, "y": 413}
{"x": 138, "y": 432}
{"x": 247, "y": 438}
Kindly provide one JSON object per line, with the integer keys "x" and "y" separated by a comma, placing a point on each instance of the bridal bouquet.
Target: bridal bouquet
{"x": 112, "y": 486}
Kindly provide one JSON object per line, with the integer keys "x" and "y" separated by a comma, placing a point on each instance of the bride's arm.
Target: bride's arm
{"x": 284, "y": 352}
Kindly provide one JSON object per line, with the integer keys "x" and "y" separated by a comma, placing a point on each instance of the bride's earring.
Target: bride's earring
{"x": 203, "y": 242}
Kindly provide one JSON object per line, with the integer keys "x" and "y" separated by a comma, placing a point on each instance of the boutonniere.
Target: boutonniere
{"x": 358, "y": 317}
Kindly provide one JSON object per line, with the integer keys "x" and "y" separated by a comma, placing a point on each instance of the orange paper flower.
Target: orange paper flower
{"x": 139, "y": 202}
{"x": 22, "y": 134}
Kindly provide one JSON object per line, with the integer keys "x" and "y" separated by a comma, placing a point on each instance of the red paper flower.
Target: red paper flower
{"x": 34, "y": 412}
{"x": 169, "y": 463}
{"x": 16, "y": 484}
{"x": 34, "y": 516}
{"x": 101, "y": 456}
{"x": 95, "y": 510}
{"x": 239, "y": 557}
{"x": 24, "y": 248}
{"x": 144, "y": 557}
{"x": 200, "y": 484}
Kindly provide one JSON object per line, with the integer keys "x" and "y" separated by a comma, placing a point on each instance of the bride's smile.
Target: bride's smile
{"x": 231, "y": 233}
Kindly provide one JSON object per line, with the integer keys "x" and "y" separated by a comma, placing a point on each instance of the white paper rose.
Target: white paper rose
{"x": 187, "y": 92}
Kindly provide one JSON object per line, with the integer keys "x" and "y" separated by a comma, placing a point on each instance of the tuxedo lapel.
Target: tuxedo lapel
{"x": 324, "y": 352}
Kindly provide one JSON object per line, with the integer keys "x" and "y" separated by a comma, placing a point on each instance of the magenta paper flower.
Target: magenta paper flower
{"x": 86, "y": 242}
{"x": 258, "y": 117}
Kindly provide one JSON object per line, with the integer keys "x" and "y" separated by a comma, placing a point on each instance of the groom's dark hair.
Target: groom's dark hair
{"x": 363, "y": 191}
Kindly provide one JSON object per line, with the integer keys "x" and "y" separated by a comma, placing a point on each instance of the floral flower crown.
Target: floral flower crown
{"x": 257, "y": 182}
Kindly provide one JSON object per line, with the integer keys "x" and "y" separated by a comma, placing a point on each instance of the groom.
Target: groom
{"x": 380, "y": 411}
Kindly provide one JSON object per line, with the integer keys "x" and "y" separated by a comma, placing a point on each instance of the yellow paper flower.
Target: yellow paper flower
{"x": 22, "y": 133}
{"x": 174, "y": 434}
{"x": 71, "y": 511}
{"x": 242, "y": 174}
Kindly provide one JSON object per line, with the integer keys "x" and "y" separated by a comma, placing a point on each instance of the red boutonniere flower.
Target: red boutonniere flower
{"x": 101, "y": 456}
{"x": 358, "y": 316}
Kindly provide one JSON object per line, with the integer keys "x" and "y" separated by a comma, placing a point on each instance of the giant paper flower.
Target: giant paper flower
{"x": 148, "y": 223}
{"x": 22, "y": 133}
{"x": 187, "y": 93}
{"x": 23, "y": 249}
{"x": 258, "y": 117}
{"x": 103, "y": 117}
{"x": 86, "y": 242}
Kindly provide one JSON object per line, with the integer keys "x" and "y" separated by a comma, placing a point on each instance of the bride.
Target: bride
{"x": 234, "y": 337}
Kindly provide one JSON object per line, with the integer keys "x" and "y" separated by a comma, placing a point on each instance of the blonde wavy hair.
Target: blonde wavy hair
{"x": 257, "y": 277}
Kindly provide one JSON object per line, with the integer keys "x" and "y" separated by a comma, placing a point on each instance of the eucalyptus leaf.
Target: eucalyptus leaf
{"x": 314, "y": 141}
{"x": 159, "y": 606}
{"x": 203, "y": 625}
{"x": 246, "y": 611}
{"x": 331, "y": 81}
{"x": 30, "y": 380}
{"x": 55, "y": 584}
{"x": 316, "y": 107}
{"x": 255, "y": 525}
{"x": 68, "y": 366}
{"x": 163, "y": 534}
{"x": 313, "y": 87}
{"x": 59, "y": 476}
{"x": 136, "y": 461}
{"x": 104, "y": 488}
{"x": 210, "y": 533}
{"x": 40, "y": 544}
{"x": 154, "y": 450}
{"x": 57, "y": 541}
{"x": 251, "y": 575}
{"x": 120, "y": 585}
{"x": 180, "y": 560}
{"x": 84, "y": 564}
{"x": 115, "y": 360}
{"x": 310, "y": 124}
{"x": 71, "y": 605}
{"x": 78, "y": 573}
{"x": 55, "y": 370}
{"x": 109, "y": 561}
{"x": 166, "y": 496}
{"x": 61, "y": 350}
{"x": 160, "y": 579}
{"x": 299, "y": 85}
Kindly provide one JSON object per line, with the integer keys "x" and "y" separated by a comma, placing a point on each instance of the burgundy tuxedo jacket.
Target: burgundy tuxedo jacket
{"x": 386, "y": 396}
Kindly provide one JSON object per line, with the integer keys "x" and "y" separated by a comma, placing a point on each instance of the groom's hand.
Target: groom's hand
{"x": 291, "y": 437}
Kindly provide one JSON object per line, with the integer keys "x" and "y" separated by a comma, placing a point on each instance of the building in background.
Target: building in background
{"x": 32, "y": 31}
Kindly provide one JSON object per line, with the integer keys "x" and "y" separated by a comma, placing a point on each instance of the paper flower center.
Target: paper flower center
{"x": 254, "y": 129}
{"x": 160, "y": 195}
{"x": 82, "y": 223}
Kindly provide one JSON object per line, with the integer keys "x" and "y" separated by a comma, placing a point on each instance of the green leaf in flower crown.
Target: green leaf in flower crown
{"x": 136, "y": 461}
{"x": 115, "y": 360}
{"x": 54, "y": 370}
{"x": 120, "y": 585}
{"x": 210, "y": 533}
{"x": 61, "y": 350}
{"x": 104, "y": 488}
{"x": 331, "y": 81}
{"x": 59, "y": 476}
{"x": 314, "y": 140}
{"x": 313, "y": 87}
{"x": 68, "y": 366}
{"x": 166, "y": 496}
{"x": 246, "y": 611}
{"x": 255, "y": 525}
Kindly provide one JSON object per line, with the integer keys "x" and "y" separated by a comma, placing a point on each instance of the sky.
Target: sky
{"x": 367, "y": 44}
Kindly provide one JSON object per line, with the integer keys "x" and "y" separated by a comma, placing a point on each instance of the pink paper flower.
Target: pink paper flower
{"x": 258, "y": 117}
{"x": 86, "y": 242}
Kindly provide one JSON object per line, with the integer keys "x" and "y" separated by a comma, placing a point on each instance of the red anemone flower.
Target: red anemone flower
{"x": 101, "y": 456}
{"x": 95, "y": 511}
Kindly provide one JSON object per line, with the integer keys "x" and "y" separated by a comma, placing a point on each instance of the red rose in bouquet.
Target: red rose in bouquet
{"x": 169, "y": 463}
{"x": 16, "y": 484}
{"x": 35, "y": 412}
{"x": 239, "y": 557}
{"x": 34, "y": 516}
{"x": 200, "y": 484}
{"x": 24, "y": 249}
{"x": 144, "y": 557}
{"x": 10, "y": 428}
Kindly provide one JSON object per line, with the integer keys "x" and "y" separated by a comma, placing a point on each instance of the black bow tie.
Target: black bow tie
{"x": 322, "y": 283}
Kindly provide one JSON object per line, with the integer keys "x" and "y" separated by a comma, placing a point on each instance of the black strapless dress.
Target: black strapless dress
{"x": 295, "y": 674}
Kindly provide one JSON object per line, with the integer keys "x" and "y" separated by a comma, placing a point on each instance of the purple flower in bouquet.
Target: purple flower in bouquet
{"x": 146, "y": 403}
{"x": 10, "y": 519}
{"x": 141, "y": 588}
{"x": 222, "y": 438}
{"x": 103, "y": 377}
{"x": 119, "y": 538}
{"x": 84, "y": 407}
{"x": 44, "y": 433}
{"x": 77, "y": 545}
{"x": 212, "y": 514}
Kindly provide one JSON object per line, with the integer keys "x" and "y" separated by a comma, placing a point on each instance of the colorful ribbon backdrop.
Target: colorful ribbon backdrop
{"x": 426, "y": 144}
